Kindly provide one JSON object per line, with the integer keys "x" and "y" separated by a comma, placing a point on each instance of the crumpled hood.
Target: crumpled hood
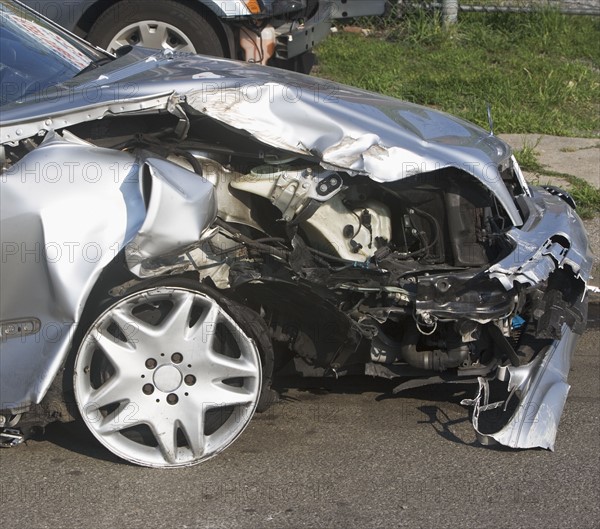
{"x": 344, "y": 127}
{"x": 351, "y": 129}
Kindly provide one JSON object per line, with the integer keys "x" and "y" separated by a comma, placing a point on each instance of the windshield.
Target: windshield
{"x": 35, "y": 54}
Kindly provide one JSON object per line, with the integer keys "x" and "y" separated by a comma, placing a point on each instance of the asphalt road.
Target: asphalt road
{"x": 344, "y": 457}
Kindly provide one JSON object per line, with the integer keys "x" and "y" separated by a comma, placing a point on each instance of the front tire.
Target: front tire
{"x": 159, "y": 24}
{"x": 165, "y": 377}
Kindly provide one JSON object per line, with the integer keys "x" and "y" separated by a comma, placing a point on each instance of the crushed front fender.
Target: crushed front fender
{"x": 552, "y": 237}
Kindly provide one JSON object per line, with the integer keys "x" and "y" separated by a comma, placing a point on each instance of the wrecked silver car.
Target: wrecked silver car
{"x": 178, "y": 230}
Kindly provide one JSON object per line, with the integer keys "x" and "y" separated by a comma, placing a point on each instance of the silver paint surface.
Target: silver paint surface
{"x": 340, "y": 126}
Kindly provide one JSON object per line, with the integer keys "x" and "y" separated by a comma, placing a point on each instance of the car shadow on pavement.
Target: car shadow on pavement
{"x": 75, "y": 437}
{"x": 430, "y": 401}
{"x": 362, "y": 384}
{"x": 433, "y": 401}
{"x": 441, "y": 422}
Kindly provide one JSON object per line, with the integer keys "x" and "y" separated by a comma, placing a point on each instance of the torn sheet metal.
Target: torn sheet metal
{"x": 180, "y": 206}
{"x": 552, "y": 238}
{"x": 541, "y": 387}
{"x": 14, "y": 131}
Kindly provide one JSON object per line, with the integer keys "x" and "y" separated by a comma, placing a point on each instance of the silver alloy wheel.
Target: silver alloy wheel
{"x": 166, "y": 378}
{"x": 152, "y": 34}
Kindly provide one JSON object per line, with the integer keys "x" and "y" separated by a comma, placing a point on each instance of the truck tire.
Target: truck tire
{"x": 160, "y": 24}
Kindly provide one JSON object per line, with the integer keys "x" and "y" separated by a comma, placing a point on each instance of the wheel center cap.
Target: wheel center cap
{"x": 167, "y": 378}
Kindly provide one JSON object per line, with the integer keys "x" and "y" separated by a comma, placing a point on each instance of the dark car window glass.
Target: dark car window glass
{"x": 35, "y": 55}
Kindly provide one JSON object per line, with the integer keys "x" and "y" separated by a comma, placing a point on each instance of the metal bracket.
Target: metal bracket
{"x": 10, "y": 437}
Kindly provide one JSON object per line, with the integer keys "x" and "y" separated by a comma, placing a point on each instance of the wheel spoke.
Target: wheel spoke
{"x": 117, "y": 43}
{"x": 211, "y": 316}
{"x": 116, "y": 389}
{"x": 205, "y": 327}
{"x": 118, "y": 420}
{"x": 193, "y": 428}
{"x": 166, "y": 436}
{"x": 224, "y": 367}
{"x": 176, "y": 324}
{"x": 134, "y": 329}
{"x": 184, "y": 46}
{"x": 120, "y": 354}
{"x": 153, "y": 35}
{"x": 223, "y": 395}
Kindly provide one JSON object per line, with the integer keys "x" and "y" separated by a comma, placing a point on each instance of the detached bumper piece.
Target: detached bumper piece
{"x": 540, "y": 388}
{"x": 10, "y": 437}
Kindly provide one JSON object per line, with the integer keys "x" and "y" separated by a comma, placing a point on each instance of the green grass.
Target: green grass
{"x": 527, "y": 158}
{"x": 586, "y": 196}
{"x": 540, "y": 72}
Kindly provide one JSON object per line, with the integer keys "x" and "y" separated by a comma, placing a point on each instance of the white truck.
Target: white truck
{"x": 280, "y": 33}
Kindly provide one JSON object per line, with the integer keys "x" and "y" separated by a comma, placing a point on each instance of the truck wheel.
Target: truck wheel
{"x": 160, "y": 24}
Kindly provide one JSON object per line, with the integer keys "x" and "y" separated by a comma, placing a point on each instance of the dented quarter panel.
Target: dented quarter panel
{"x": 56, "y": 249}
